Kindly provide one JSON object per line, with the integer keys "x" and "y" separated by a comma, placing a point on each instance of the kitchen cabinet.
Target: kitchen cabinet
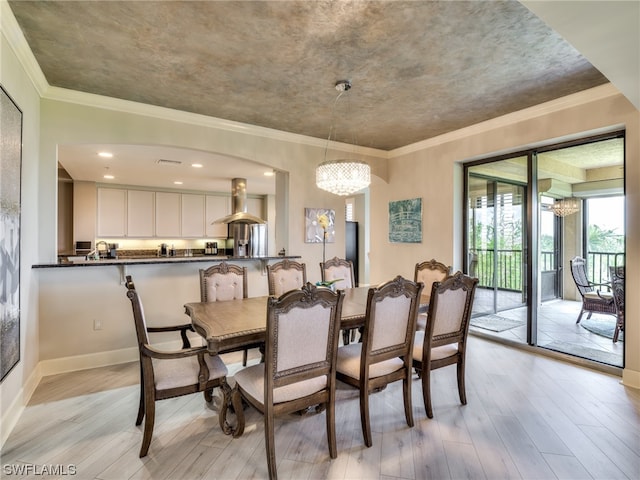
{"x": 193, "y": 215}
{"x": 216, "y": 207}
{"x": 112, "y": 212}
{"x": 140, "y": 213}
{"x": 168, "y": 215}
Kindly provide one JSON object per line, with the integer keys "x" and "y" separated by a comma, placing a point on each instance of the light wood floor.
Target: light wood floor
{"x": 528, "y": 416}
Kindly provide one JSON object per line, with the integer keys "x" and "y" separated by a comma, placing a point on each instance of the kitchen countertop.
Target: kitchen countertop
{"x": 157, "y": 260}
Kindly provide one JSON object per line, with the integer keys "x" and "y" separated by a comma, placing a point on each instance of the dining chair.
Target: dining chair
{"x": 427, "y": 273}
{"x": 341, "y": 270}
{"x": 384, "y": 355}
{"x": 293, "y": 378}
{"x": 223, "y": 282}
{"x": 286, "y": 275}
{"x": 594, "y": 298}
{"x": 167, "y": 374}
{"x": 445, "y": 340}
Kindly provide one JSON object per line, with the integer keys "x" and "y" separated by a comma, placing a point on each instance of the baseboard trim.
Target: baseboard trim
{"x": 14, "y": 412}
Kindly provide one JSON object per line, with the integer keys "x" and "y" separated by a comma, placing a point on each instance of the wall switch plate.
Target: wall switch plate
{"x": 97, "y": 324}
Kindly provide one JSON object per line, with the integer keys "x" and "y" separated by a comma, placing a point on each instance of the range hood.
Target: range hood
{"x": 239, "y": 203}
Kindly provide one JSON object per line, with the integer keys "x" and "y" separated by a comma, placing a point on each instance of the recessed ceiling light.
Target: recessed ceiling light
{"x": 105, "y": 154}
{"x": 196, "y": 165}
{"x": 177, "y": 182}
{"x": 269, "y": 173}
{"x": 109, "y": 177}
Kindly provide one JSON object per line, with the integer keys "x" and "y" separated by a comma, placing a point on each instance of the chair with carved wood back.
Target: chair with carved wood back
{"x": 340, "y": 270}
{"x": 445, "y": 340}
{"x": 286, "y": 275}
{"x": 223, "y": 282}
{"x": 167, "y": 374}
{"x": 293, "y": 378}
{"x": 384, "y": 356}
{"x": 428, "y": 272}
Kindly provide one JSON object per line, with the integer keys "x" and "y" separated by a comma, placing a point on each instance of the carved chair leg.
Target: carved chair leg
{"x": 150, "y": 414}
{"x": 270, "y": 446}
{"x": 141, "y": 405}
{"x": 406, "y": 392}
{"x": 426, "y": 391}
{"x": 364, "y": 415}
{"x": 331, "y": 428}
{"x": 461, "y": 388}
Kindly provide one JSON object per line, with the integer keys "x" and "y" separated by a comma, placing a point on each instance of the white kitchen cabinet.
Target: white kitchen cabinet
{"x": 193, "y": 215}
{"x": 168, "y": 215}
{"x": 112, "y": 212}
{"x": 140, "y": 213}
{"x": 216, "y": 207}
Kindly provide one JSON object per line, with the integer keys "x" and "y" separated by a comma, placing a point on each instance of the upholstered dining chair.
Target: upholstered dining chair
{"x": 286, "y": 275}
{"x": 593, "y": 298}
{"x": 427, "y": 273}
{"x": 384, "y": 356}
{"x": 167, "y": 374}
{"x": 445, "y": 340}
{"x": 341, "y": 270}
{"x": 293, "y": 378}
{"x": 223, "y": 282}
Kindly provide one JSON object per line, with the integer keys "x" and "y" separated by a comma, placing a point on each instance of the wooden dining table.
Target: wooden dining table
{"x": 233, "y": 324}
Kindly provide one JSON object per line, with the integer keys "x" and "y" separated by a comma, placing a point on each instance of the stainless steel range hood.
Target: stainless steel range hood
{"x": 239, "y": 203}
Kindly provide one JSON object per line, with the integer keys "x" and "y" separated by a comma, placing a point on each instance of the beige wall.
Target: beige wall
{"x": 18, "y": 385}
{"x": 433, "y": 173}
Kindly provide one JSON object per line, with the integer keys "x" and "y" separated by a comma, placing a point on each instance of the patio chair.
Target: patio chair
{"x": 593, "y": 299}
{"x": 617, "y": 289}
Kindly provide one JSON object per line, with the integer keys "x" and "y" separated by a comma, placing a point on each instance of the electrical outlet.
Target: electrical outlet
{"x": 97, "y": 324}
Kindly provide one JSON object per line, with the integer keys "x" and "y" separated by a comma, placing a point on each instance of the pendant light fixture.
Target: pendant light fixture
{"x": 342, "y": 176}
{"x": 565, "y": 207}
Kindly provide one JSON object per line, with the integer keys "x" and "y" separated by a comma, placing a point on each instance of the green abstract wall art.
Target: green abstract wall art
{"x": 405, "y": 221}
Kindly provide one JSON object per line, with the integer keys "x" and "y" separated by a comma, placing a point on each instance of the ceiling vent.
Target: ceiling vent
{"x": 163, "y": 161}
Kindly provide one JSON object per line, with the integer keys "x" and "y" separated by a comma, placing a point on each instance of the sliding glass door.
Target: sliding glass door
{"x": 496, "y": 234}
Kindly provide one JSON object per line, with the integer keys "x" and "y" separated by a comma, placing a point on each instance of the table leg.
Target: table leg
{"x": 226, "y": 427}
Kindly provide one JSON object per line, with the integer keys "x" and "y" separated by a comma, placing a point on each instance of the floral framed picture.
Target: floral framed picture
{"x": 313, "y": 228}
{"x": 405, "y": 221}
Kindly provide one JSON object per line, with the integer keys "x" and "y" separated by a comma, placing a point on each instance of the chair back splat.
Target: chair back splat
{"x": 342, "y": 270}
{"x": 299, "y": 370}
{"x": 286, "y": 275}
{"x": 444, "y": 342}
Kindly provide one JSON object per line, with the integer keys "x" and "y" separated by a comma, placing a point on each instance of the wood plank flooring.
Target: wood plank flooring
{"x": 528, "y": 417}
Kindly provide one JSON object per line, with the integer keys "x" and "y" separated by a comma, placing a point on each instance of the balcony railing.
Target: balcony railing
{"x": 509, "y": 268}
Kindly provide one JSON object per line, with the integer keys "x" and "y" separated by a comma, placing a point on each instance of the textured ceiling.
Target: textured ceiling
{"x": 419, "y": 69}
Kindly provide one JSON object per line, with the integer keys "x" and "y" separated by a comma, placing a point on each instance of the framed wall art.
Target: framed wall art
{"x": 10, "y": 173}
{"x": 405, "y": 221}
{"x": 313, "y": 228}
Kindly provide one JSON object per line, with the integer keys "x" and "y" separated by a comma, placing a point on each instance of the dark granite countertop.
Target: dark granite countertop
{"x": 145, "y": 260}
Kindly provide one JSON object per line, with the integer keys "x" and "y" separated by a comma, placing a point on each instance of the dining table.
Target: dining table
{"x": 232, "y": 325}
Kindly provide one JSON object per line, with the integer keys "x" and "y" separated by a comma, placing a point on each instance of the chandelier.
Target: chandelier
{"x": 565, "y": 206}
{"x": 342, "y": 176}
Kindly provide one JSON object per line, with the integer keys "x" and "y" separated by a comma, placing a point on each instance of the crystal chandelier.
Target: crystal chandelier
{"x": 565, "y": 206}
{"x": 342, "y": 177}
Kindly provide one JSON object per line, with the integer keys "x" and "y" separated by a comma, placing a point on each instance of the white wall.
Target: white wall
{"x": 18, "y": 385}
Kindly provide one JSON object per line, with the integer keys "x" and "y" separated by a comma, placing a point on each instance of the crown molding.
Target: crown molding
{"x": 163, "y": 113}
{"x": 18, "y": 44}
{"x": 593, "y": 94}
